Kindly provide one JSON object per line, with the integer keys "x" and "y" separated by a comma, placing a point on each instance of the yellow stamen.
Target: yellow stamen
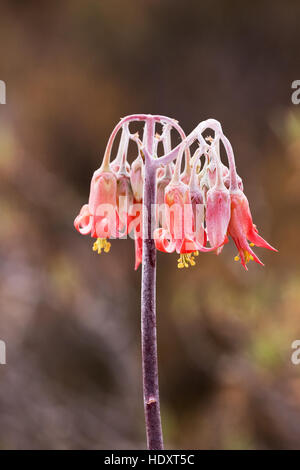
{"x": 101, "y": 244}
{"x": 251, "y": 244}
{"x": 186, "y": 260}
{"x": 247, "y": 255}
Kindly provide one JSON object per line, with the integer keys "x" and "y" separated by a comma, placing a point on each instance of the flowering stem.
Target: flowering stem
{"x": 188, "y": 140}
{"x": 148, "y": 304}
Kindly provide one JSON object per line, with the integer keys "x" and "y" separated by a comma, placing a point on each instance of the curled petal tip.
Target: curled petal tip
{"x": 258, "y": 261}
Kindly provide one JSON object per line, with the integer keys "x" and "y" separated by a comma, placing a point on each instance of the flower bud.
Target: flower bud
{"x": 102, "y": 203}
{"x": 198, "y": 215}
{"x": 124, "y": 202}
{"x": 217, "y": 215}
{"x": 137, "y": 178}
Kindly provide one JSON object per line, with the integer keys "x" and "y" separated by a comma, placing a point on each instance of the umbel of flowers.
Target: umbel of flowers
{"x": 179, "y": 203}
{"x": 197, "y": 209}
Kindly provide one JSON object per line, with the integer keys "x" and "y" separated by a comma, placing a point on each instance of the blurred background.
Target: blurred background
{"x": 71, "y": 318}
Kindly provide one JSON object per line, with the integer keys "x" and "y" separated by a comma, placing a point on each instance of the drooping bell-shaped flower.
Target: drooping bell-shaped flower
{"x": 217, "y": 207}
{"x": 137, "y": 178}
{"x": 99, "y": 216}
{"x": 124, "y": 199}
{"x": 242, "y": 230}
{"x": 176, "y": 235}
{"x": 102, "y": 203}
{"x": 177, "y": 199}
{"x": 197, "y": 202}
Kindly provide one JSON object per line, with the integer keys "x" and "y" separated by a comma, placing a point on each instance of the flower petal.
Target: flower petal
{"x": 163, "y": 241}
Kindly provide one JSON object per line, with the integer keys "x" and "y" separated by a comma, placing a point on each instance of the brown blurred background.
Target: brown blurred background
{"x": 71, "y": 318}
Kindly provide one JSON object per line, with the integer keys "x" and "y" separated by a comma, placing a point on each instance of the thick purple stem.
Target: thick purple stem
{"x": 148, "y": 305}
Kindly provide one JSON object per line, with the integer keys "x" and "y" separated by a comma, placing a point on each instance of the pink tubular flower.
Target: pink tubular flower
{"x": 124, "y": 200}
{"x": 99, "y": 216}
{"x": 137, "y": 178}
{"x": 241, "y": 229}
{"x": 217, "y": 216}
{"x": 176, "y": 234}
{"x": 179, "y": 215}
{"x": 103, "y": 204}
{"x": 197, "y": 202}
{"x": 217, "y": 208}
{"x": 198, "y": 216}
{"x": 179, "y": 232}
